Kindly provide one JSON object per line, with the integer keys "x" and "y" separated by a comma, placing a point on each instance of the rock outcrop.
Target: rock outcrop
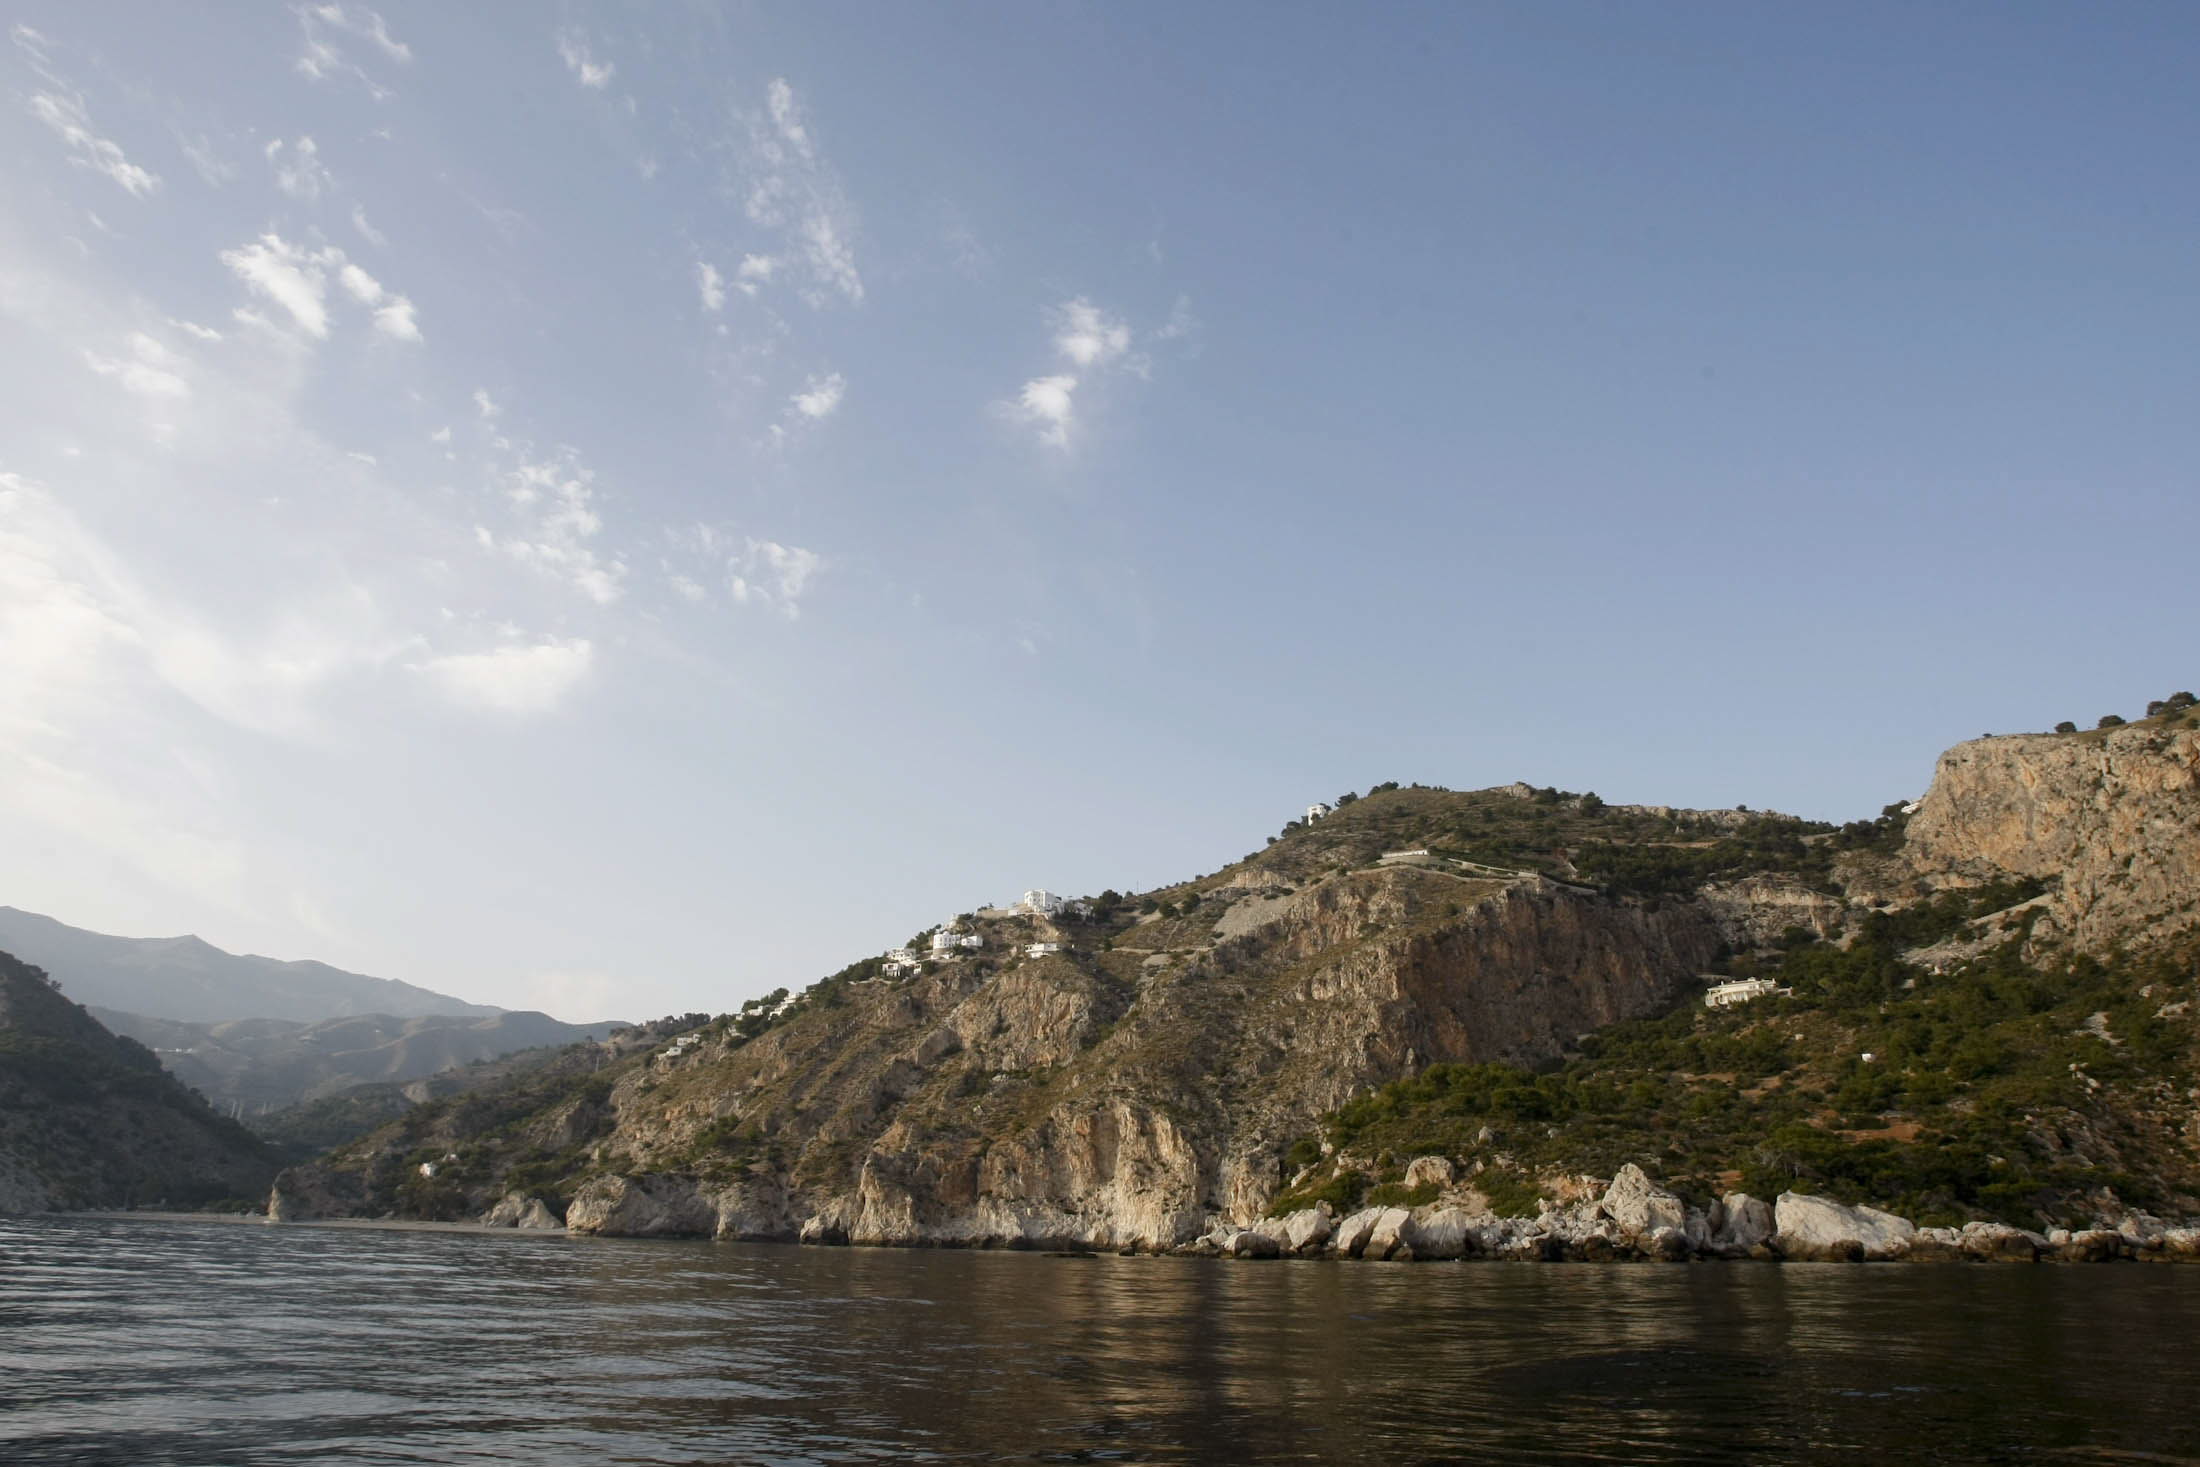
{"x": 1819, "y": 1230}
{"x": 2110, "y": 819}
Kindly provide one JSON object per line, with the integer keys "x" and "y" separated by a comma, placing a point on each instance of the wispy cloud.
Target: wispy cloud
{"x": 550, "y": 502}
{"x": 298, "y": 168}
{"x": 65, "y": 113}
{"x": 149, "y": 370}
{"x": 1089, "y": 336}
{"x": 586, "y": 69}
{"x": 793, "y": 190}
{"x": 367, "y": 231}
{"x": 323, "y": 58}
{"x": 773, "y": 575}
{"x": 710, "y": 285}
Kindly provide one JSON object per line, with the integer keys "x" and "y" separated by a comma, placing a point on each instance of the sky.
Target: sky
{"x": 616, "y": 509}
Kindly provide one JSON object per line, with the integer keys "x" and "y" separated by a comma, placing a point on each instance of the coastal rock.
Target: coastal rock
{"x": 518, "y": 1211}
{"x": 1250, "y": 1244}
{"x": 2092, "y": 1245}
{"x": 1306, "y": 1230}
{"x": 1745, "y": 1224}
{"x": 647, "y": 1206}
{"x": 1639, "y": 1207}
{"x": 1992, "y": 1242}
{"x": 1350, "y": 1238}
{"x": 1818, "y": 1229}
{"x": 1388, "y": 1233}
{"x": 1444, "y": 1232}
{"x": 1936, "y": 1245}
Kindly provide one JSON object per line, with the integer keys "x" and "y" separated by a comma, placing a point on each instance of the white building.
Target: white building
{"x": 1040, "y": 903}
{"x": 1318, "y": 809}
{"x": 944, "y": 941}
{"x": 902, "y": 960}
{"x": 1741, "y": 990}
{"x": 1041, "y": 949}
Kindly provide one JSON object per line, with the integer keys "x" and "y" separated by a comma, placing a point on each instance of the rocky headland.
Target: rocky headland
{"x": 1439, "y": 1024}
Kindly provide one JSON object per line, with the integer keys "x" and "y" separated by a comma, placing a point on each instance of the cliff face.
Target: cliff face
{"x": 91, "y": 1120}
{"x": 2109, "y": 819}
{"x": 1130, "y": 1091}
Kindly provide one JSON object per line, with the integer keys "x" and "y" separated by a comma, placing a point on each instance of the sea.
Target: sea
{"x": 129, "y": 1341}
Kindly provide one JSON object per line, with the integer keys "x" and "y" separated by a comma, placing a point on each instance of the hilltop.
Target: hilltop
{"x": 1507, "y": 981}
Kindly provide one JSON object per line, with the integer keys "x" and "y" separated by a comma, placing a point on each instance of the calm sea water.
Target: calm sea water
{"x": 143, "y": 1342}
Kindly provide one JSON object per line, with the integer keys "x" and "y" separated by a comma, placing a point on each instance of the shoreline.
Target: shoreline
{"x": 243, "y": 1219}
{"x": 1202, "y": 1250}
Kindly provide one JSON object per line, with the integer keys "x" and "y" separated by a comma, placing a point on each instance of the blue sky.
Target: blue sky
{"x": 614, "y": 509}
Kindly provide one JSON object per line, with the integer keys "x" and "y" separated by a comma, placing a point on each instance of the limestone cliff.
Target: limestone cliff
{"x": 2109, "y": 820}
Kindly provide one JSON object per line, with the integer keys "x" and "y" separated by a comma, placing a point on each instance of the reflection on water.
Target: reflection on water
{"x": 141, "y": 1342}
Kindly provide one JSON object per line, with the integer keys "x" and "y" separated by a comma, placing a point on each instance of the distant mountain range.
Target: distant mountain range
{"x": 251, "y": 1067}
{"x": 192, "y": 980}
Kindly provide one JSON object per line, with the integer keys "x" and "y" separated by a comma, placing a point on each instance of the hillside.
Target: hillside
{"x": 254, "y": 1067}
{"x": 191, "y": 980}
{"x": 1505, "y": 981}
{"x": 88, "y": 1119}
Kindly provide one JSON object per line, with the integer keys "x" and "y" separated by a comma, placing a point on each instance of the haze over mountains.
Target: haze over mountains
{"x": 190, "y": 979}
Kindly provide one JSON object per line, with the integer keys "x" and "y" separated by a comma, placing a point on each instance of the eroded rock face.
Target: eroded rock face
{"x": 641, "y": 1207}
{"x": 1745, "y": 1224}
{"x": 1820, "y": 1230}
{"x": 2111, "y": 817}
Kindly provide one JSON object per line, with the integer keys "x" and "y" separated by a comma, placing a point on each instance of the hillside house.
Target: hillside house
{"x": 1041, "y": 949}
{"x": 1040, "y": 903}
{"x": 1740, "y": 990}
{"x": 1319, "y": 809}
{"x": 902, "y": 960}
{"x": 944, "y": 941}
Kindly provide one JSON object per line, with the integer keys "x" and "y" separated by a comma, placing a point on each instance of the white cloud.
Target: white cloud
{"x": 193, "y": 328}
{"x": 755, "y": 271}
{"x": 485, "y": 405}
{"x": 793, "y": 190}
{"x": 573, "y": 47}
{"x": 1087, "y": 335}
{"x": 710, "y": 285}
{"x": 518, "y": 679}
{"x": 65, "y": 114}
{"x": 366, "y": 230}
{"x": 151, "y": 369}
{"x": 292, "y": 277}
{"x": 296, "y": 279}
{"x": 364, "y": 288}
{"x": 821, "y": 397}
{"x": 298, "y": 168}
{"x": 395, "y": 318}
{"x": 1047, "y": 402}
{"x": 773, "y": 575}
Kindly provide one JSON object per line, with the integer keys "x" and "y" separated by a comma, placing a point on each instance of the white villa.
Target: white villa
{"x": 1318, "y": 809}
{"x": 1041, "y": 949}
{"x": 944, "y": 941}
{"x": 902, "y": 960}
{"x": 1040, "y": 903}
{"x": 1740, "y": 990}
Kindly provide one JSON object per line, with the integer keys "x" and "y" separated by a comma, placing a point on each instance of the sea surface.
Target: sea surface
{"x": 139, "y": 1342}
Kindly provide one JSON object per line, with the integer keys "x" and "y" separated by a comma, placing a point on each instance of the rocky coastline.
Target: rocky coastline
{"x": 1632, "y": 1220}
